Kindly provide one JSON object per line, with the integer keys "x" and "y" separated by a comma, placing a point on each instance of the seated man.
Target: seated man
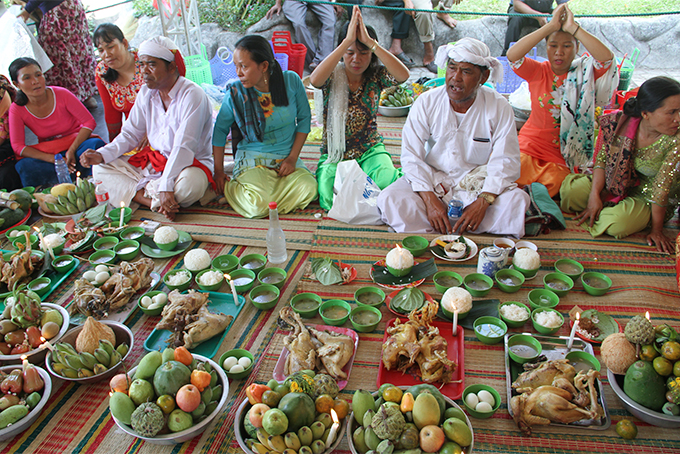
{"x": 175, "y": 168}
{"x": 425, "y": 24}
{"x": 459, "y": 141}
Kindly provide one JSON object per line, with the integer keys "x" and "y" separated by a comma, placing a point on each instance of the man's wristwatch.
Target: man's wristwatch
{"x": 490, "y": 198}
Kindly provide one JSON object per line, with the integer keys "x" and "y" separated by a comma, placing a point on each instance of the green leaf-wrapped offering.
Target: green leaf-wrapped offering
{"x": 407, "y": 300}
{"x": 326, "y": 272}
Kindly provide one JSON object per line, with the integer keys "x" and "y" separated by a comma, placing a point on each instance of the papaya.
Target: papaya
{"x": 299, "y": 408}
{"x": 11, "y": 217}
{"x": 23, "y": 198}
{"x": 644, "y": 385}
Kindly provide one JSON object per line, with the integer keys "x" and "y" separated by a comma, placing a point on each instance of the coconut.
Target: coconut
{"x": 617, "y": 353}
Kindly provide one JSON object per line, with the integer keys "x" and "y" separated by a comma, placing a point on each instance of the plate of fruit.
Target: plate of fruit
{"x": 26, "y": 390}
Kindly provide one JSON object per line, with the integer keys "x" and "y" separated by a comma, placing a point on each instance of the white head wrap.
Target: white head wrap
{"x": 470, "y": 50}
{"x": 159, "y": 47}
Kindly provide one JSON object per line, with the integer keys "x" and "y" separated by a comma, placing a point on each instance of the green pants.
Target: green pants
{"x": 629, "y": 216}
{"x": 376, "y": 162}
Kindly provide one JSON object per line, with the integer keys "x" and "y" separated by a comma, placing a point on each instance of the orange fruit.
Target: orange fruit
{"x": 626, "y": 429}
{"x": 324, "y": 403}
{"x": 341, "y": 407}
{"x": 392, "y": 394}
{"x": 671, "y": 350}
{"x": 648, "y": 353}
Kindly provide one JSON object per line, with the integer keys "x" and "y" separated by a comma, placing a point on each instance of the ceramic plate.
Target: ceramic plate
{"x": 438, "y": 251}
{"x": 606, "y": 323}
{"x": 155, "y": 253}
{"x": 279, "y": 374}
{"x": 58, "y": 217}
{"x": 394, "y": 286}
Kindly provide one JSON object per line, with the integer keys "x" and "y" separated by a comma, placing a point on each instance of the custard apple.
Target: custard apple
{"x": 639, "y": 331}
{"x": 147, "y": 419}
{"x": 325, "y": 384}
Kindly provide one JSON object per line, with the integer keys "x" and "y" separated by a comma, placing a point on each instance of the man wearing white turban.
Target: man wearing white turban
{"x": 174, "y": 114}
{"x": 459, "y": 142}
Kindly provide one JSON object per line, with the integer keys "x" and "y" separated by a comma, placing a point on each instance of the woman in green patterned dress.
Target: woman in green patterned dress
{"x": 635, "y": 181}
{"x": 351, "y": 79}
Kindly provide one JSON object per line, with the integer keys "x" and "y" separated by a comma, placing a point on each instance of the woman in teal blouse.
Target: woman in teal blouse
{"x": 270, "y": 109}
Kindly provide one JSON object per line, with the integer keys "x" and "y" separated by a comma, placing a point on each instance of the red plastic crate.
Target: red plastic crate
{"x": 296, "y": 58}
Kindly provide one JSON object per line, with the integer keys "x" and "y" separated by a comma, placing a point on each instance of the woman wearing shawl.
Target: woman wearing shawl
{"x": 558, "y": 136}
{"x": 635, "y": 181}
{"x": 351, "y": 79}
{"x": 272, "y": 113}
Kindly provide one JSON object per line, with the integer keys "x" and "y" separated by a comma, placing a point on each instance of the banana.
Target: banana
{"x": 262, "y": 435}
{"x": 69, "y": 373}
{"x": 58, "y": 368}
{"x": 79, "y": 193}
{"x": 276, "y": 443}
{"x": 107, "y": 346}
{"x": 122, "y": 349}
{"x": 292, "y": 441}
{"x": 115, "y": 359}
{"x": 72, "y": 196}
{"x": 84, "y": 373}
{"x": 80, "y": 204}
{"x": 99, "y": 368}
{"x": 89, "y": 199}
{"x": 88, "y": 360}
{"x": 102, "y": 356}
{"x": 259, "y": 448}
{"x": 66, "y": 348}
{"x": 73, "y": 362}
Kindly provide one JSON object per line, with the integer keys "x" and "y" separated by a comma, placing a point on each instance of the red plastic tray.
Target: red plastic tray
{"x": 456, "y": 352}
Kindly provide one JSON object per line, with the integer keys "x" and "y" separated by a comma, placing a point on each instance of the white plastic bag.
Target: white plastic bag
{"x": 355, "y": 196}
{"x": 521, "y": 98}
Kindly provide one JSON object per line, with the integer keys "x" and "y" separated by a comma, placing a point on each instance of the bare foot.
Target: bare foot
{"x": 447, "y": 19}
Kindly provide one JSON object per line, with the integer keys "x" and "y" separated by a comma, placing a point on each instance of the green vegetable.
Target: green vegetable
{"x": 407, "y": 300}
{"x": 326, "y": 272}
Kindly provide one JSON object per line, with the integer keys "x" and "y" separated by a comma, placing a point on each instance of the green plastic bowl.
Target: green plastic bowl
{"x": 478, "y": 276}
{"x": 586, "y": 279}
{"x": 66, "y": 266}
{"x": 528, "y": 274}
{"x": 211, "y": 287}
{"x": 503, "y": 329}
{"x": 181, "y": 287}
{"x": 106, "y": 243}
{"x": 131, "y": 245}
{"x": 274, "y": 276}
{"x": 168, "y": 246}
{"x": 561, "y": 264}
{"x": 115, "y": 215}
{"x": 542, "y": 329}
{"x": 560, "y": 277}
{"x": 439, "y": 275}
{"x": 577, "y": 356}
{"x": 132, "y": 233}
{"x": 309, "y": 310}
{"x": 151, "y": 312}
{"x": 250, "y": 262}
{"x": 264, "y": 289}
{"x": 514, "y": 323}
{"x": 22, "y": 240}
{"x": 225, "y": 263}
{"x": 369, "y": 290}
{"x": 448, "y": 314}
{"x": 365, "y": 327}
{"x": 524, "y": 339}
{"x": 475, "y": 389}
{"x": 243, "y": 274}
{"x": 542, "y": 297}
{"x": 18, "y": 228}
{"x": 105, "y": 257}
{"x": 334, "y": 304}
{"x": 505, "y": 274}
{"x": 40, "y": 285}
{"x": 237, "y": 353}
{"x": 416, "y": 245}
{"x": 399, "y": 273}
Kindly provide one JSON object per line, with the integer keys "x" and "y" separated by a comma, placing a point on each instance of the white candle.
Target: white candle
{"x": 46, "y": 344}
{"x": 334, "y": 429}
{"x": 122, "y": 214}
{"x": 43, "y": 246}
{"x": 233, "y": 289}
{"x": 455, "y": 322}
{"x": 573, "y": 331}
{"x": 78, "y": 178}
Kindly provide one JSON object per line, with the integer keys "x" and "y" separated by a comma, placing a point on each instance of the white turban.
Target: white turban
{"x": 470, "y": 50}
{"x": 159, "y": 47}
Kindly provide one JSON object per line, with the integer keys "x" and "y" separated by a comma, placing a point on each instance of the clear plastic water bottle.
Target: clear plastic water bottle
{"x": 455, "y": 210}
{"x": 100, "y": 193}
{"x": 61, "y": 168}
{"x": 276, "y": 239}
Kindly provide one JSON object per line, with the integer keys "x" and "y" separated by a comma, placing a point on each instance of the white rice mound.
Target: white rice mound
{"x": 165, "y": 235}
{"x": 457, "y": 298}
{"x": 527, "y": 259}
{"x": 211, "y": 278}
{"x": 514, "y": 313}
{"x": 548, "y": 319}
{"x": 399, "y": 258}
{"x": 197, "y": 260}
{"x": 179, "y": 278}
{"x": 52, "y": 240}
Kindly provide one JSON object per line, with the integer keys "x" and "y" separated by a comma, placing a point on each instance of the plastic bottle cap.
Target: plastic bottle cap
{"x": 272, "y": 205}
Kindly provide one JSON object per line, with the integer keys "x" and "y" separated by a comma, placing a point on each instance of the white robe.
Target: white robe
{"x": 438, "y": 151}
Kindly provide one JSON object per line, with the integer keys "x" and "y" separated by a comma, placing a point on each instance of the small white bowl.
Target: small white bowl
{"x": 452, "y": 253}
{"x": 504, "y": 243}
{"x": 525, "y": 244}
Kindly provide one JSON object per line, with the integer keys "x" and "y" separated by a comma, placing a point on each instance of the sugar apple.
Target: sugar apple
{"x": 639, "y": 331}
{"x": 388, "y": 422}
{"x": 325, "y": 384}
{"x": 147, "y": 419}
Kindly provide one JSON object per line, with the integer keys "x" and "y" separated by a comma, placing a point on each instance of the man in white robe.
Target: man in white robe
{"x": 174, "y": 114}
{"x": 459, "y": 141}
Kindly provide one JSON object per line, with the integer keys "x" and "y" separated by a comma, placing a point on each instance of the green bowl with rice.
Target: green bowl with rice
{"x": 166, "y": 238}
{"x": 178, "y": 280}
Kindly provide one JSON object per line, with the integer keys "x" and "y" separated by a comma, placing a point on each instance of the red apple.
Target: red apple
{"x": 431, "y": 438}
{"x": 257, "y": 413}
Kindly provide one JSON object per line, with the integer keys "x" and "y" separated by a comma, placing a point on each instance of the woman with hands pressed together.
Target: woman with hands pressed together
{"x": 270, "y": 108}
{"x": 565, "y": 90}
{"x": 352, "y": 78}
{"x": 635, "y": 181}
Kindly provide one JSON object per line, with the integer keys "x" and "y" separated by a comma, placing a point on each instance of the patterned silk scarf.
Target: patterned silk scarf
{"x": 248, "y": 112}
{"x": 617, "y": 141}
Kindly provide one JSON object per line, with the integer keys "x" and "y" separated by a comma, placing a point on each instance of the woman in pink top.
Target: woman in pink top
{"x": 61, "y": 122}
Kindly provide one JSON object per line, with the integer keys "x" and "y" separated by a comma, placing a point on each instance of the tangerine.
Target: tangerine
{"x": 626, "y": 429}
{"x": 662, "y": 366}
{"x": 392, "y": 394}
{"x": 671, "y": 350}
{"x": 341, "y": 407}
{"x": 324, "y": 403}
{"x": 648, "y": 353}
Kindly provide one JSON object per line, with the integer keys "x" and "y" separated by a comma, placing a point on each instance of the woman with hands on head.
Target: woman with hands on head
{"x": 563, "y": 89}
{"x": 351, "y": 79}
{"x": 270, "y": 108}
{"x": 636, "y": 178}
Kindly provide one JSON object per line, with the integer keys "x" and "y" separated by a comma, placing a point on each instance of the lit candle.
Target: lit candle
{"x": 46, "y": 344}
{"x": 122, "y": 214}
{"x": 334, "y": 429}
{"x": 647, "y": 315}
{"x": 573, "y": 331}
{"x": 78, "y": 178}
{"x": 24, "y": 361}
{"x": 233, "y": 288}
{"x": 455, "y": 322}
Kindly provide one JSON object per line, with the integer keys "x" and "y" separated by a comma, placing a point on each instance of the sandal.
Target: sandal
{"x": 432, "y": 67}
{"x": 406, "y": 60}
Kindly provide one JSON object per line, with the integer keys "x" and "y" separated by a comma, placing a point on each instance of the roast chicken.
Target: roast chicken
{"x": 302, "y": 354}
{"x": 19, "y": 268}
{"x": 334, "y": 350}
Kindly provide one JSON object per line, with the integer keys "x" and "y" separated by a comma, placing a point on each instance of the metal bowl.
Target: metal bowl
{"x": 394, "y": 111}
{"x": 26, "y": 422}
{"x": 195, "y": 430}
{"x": 521, "y": 114}
{"x": 123, "y": 334}
{"x": 37, "y": 355}
{"x": 652, "y": 417}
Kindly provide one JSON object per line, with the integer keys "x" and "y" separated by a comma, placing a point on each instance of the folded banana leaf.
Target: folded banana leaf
{"x": 418, "y": 272}
{"x": 407, "y": 300}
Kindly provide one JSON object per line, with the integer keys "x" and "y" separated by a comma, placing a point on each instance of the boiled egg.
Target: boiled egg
{"x": 146, "y": 302}
{"x": 90, "y": 275}
{"x": 245, "y": 362}
{"x": 236, "y": 368}
{"x": 160, "y": 299}
{"x": 101, "y": 268}
{"x": 486, "y": 396}
{"x": 102, "y": 277}
{"x": 471, "y": 400}
{"x": 230, "y": 362}
{"x": 483, "y": 407}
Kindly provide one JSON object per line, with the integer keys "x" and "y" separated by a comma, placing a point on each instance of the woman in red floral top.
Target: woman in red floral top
{"x": 118, "y": 76}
